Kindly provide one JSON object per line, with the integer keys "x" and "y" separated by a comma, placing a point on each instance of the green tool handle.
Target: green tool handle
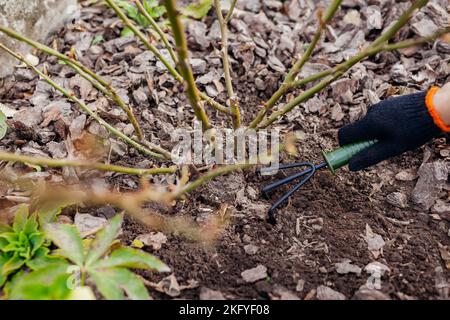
{"x": 340, "y": 157}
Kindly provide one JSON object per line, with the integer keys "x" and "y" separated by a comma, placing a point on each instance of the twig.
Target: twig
{"x": 59, "y": 163}
{"x": 98, "y": 82}
{"x": 390, "y": 47}
{"x": 234, "y": 105}
{"x": 211, "y": 175}
{"x": 158, "y": 55}
{"x": 83, "y": 106}
{"x": 230, "y": 12}
{"x": 183, "y": 62}
{"x": 377, "y": 46}
{"x": 157, "y": 29}
{"x": 297, "y": 67}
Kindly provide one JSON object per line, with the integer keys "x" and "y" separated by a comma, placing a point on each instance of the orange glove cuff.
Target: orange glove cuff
{"x": 432, "y": 110}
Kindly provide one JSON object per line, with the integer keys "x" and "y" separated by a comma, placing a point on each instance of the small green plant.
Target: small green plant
{"x": 152, "y": 7}
{"x": 22, "y": 246}
{"x": 88, "y": 262}
{"x": 197, "y": 9}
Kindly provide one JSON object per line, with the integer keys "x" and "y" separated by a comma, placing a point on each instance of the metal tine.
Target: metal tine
{"x": 289, "y": 179}
{"x": 281, "y": 200}
{"x": 283, "y": 166}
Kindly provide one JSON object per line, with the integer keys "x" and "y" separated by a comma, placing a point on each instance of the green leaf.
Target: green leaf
{"x": 48, "y": 283}
{"x": 11, "y": 237}
{"x": 103, "y": 240}
{"x": 37, "y": 240}
{"x": 13, "y": 264}
{"x": 81, "y": 293}
{"x": 5, "y": 228}
{"x": 154, "y": 9}
{"x": 48, "y": 214}
{"x": 126, "y": 32}
{"x": 198, "y": 9}
{"x": 97, "y": 39}
{"x": 20, "y": 218}
{"x": 31, "y": 225}
{"x": 42, "y": 259}
{"x": 131, "y": 10}
{"x": 68, "y": 239}
{"x": 132, "y": 258}
{"x": 3, "y": 259}
{"x": 3, "y": 125}
{"x": 111, "y": 282}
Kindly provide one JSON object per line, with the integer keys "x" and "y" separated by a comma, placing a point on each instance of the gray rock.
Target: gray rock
{"x": 406, "y": 175}
{"x": 326, "y": 293}
{"x": 160, "y": 66}
{"x": 24, "y": 74}
{"x": 442, "y": 208}
{"x": 57, "y": 149}
{"x": 254, "y": 274}
{"x": 365, "y": 293}
{"x": 251, "y": 249}
{"x": 88, "y": 224}
{"x": 253, "y": 5}
{"x": 198, "y": 66}
{"x": 209, "y": 294}
{"x": 276, "y": 64}
{"x": 432, "y": 178}
{"x": 197, "y": 31}
{"x": 140, "y": 97}
{"x": 260, "y": 84}
{"x": 374, "y": 18}
{"x": 425, "y": 27}
{"x": 35, "y": 19}
{"x": 397, "y": 199}
{"x": 77, "y": 126}
{"x": 346, "y": 266}
{"x": 29, "y": 117}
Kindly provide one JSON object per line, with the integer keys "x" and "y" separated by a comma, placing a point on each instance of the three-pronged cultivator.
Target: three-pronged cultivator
{"x": 333, "y": 161}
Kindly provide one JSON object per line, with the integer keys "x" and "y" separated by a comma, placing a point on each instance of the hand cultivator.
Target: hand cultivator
{"x": 333, "y": 161}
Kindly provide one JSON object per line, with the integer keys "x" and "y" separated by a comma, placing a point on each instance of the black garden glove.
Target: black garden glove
{"x": 399, "y": 124}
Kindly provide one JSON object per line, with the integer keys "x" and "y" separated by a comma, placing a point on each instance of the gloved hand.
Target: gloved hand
{"x": 399, "y": 124}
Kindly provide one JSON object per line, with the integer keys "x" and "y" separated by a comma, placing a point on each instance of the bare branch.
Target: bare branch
{"x": 157, "y": 29}
{"x": 335, "y": 73}
{"x": 297, "y": 67}
{"x": 183, "y": 62}
{"x": 59, "y": 163}
{"x": 230, "y": 12}
{"x": 158, "y": 55}
{"x": 98, "y": 82}
{"x": 234, "y": 104}
{"x": 83, "y": 106}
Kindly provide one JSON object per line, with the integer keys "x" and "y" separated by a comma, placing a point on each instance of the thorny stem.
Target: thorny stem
{"x": 83, "y": 106}
{"x": 336, "y": 72}
{"x": 183, "y": 62}
{"x": 59, "y": 163}
{"x": 157, "y": 29}
{"x": 158, "y": 55}
{"x": 230, "y": 12}
{"x": 234, "y": 105}
{"x": 98, "y": 82}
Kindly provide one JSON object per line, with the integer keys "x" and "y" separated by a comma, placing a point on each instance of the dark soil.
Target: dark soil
{"x": 323, "y": 224}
